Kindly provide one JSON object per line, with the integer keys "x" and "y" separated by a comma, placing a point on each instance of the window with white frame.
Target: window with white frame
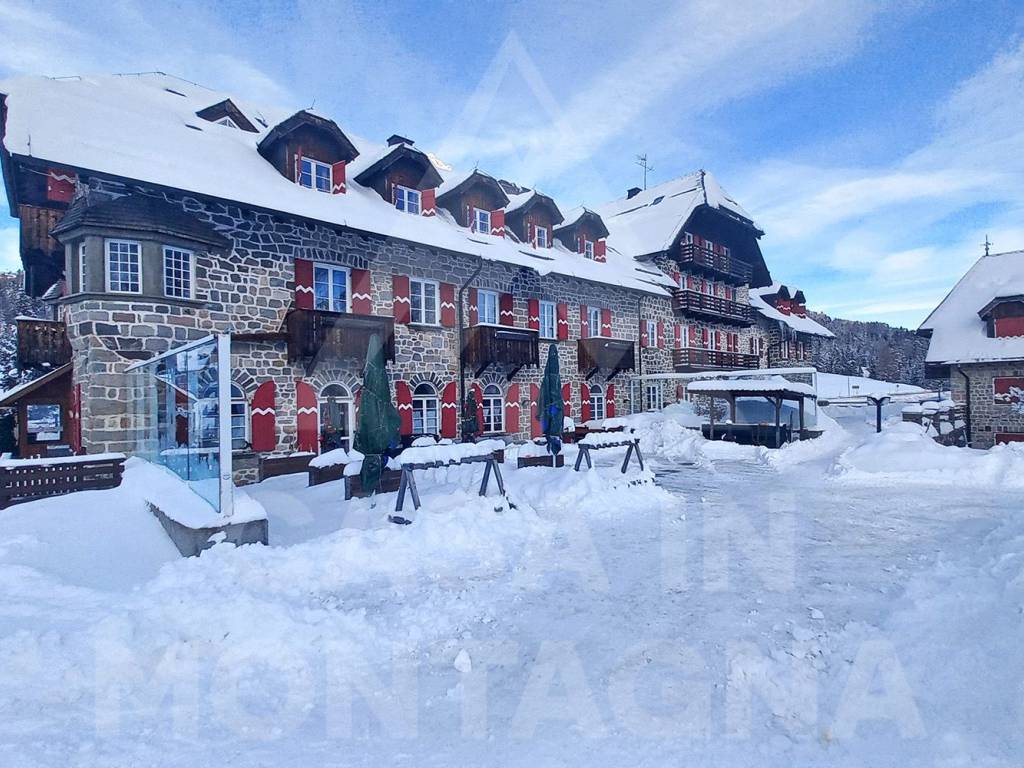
{"x": 709, "y": 245}
{"x": 597, "y": 404}
{"x": 494, "y": 409}
{"x": 540, "y": 236}
{"x": 337, "y": 414}
{"x": 652, "y": 332}
{"x": 653, "y": 397}
{"x": 124, "y": 266}
{"x": 81, "y": 267}
{"x": 548, "y": 320}
{"x": 407, "y": 199}
{"x": 594, "y": 320}
{"x": 314, "y": 174}
{"x": 239, "y": 417}
{"x": 687, "y": 238}
{"x": 177, "y": 272}
{"x": 726, "y": 251}
{"x": 487, "y": 307}
{"x": 684, "y": 335}
{"x": 423, "y": 308}
{"x": 482, "y": 221}
{"x": 330, "y": 287}
{"x": 425, "y": 407}
{"x": 227, "y": 121}
{"x": 588, "y": 248}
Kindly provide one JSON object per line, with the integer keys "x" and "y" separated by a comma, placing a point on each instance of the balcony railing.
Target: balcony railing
{"x": 693, "y": 303}
{"x": 600, "y": 352}
{"x": 702, "y": 259}
{"x": 316, "y": 336}
{"x": 697, "y": 359}
{"x": 42, "y": 343}
{"x": 512, "y": 348}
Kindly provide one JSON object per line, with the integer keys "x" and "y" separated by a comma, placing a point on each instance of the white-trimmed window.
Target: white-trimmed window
{"x": 494, "y": 409}
{"x": 423, "y": 303}
{"x": 124, "y": 266}
{"x": 314, "y": 174}
{"x": 337, "y": 414}
{"x": 487, "y": 307}
{"x": 227, "y": 121}
{"x": 588, "y": 248}
{"x": 548, "y": 320}
{"x": 687, "y": 238}
{"x": 330, "y": 287}
{"x": 239, "y": 419}
{"x": 684, "y": 335}
{"x": 425, "y": 407}
{"x": 178, "y": 272}
{"x": 540, "y": 236}
{"x": 597, "y": 403}
{"x": 81, "y": 267}
{"x": 653, "y": 397}
{"x": 726, "y": 251}
{"x": 482, "y": 221}
{"x": 594, "y": 320}
{"x": 709, "y": 245}
{"x": 407, "y": 199}
{"x": 652, "y": 332}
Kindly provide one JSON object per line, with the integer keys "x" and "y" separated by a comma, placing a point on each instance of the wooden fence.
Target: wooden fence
{"x": 25, "y": 480}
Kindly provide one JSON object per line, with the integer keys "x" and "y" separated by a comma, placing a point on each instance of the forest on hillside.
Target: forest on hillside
{"x": 886, "y": 352}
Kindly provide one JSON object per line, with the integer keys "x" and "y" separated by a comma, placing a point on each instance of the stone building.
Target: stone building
{"x": 787, "y": 334}
{"x": 160, "y": 212}
{"x": 976, "y": 341}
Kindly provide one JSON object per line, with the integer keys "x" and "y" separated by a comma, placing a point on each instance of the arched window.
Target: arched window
{"x": 425, "y": 408}
{"x": 337, "y": 416}
{"x": 206, "y": 410}
{"x": 494, "y": 409}
{"x": 597, "y": 409}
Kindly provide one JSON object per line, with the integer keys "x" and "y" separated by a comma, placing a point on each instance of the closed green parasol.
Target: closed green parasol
{"x": 378, "y": 428}
{"x": 551, "y": 407}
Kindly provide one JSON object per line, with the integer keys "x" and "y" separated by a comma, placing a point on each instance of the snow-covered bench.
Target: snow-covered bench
{"x": 28, "y": 479}
{"x": 437, "y": 456}
{"x": 597, "y": 441}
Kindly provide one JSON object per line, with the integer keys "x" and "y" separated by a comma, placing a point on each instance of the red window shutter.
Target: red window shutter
{"x": 498, "y": 222}
{"x": 474, "y": 312}
{"x": 297, "y": 165}
{"x": 535, "y": 427}
{"x": 512, "y": 409}
{"x": 661, "y": 334}
{"x": 609, "y": 401}
{"x": 428, "y": 204}
{"x": 446, "y": 293}
{"x": 338, "y": 186}
{"x": 644, "y": 341}
{"x": 531, "y": 233}
{"x": 449, "y": 410}
{"x": 600, "y": 251}
{"x": 689, "y": 282}
{"x": 307, "y": 418}
{"x": 562, "y": 311}
{"x": 584, "y": 322}
{"x": 400, "y": 298}
{"x": 60, "y": 185}
{"x": 75, "y": 419}
{"x": 264, "y": 417}
{"x": 679, "y": 336}
{"x": 567, "y": 398}
{"x": 533, "y": 314}
{"x": 694, "y": 336}
{"x": 506, "y": 310}
{"x": 303, "y": 284}
{"x": 403, "y": 398}
{"x": 362, "y": 299}
{"x": 677, "y": 277}
{"x": 584, "y": 402}
{"x": 606, "y": 322}
{"x": 718, "y": 339}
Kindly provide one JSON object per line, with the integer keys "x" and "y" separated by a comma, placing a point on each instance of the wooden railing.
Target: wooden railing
{"x": 600, "y": 352}
{"x": 701, "y": 258}
{"x": 316, "y": 336}
{"x": 513, "y": 348}
{"x": 42, "y": 342}
{"x": 689, "y": 302}
{"x": 697, "y": 359}
{"x": 28, "y": 479}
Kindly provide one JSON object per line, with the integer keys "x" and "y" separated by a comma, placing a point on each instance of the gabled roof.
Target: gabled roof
{"x": 457, "y": 184}
{"x": 579, "y": 215}
{"x": 758, "y": 299}
{"x": 15, "y": 393}
{"x": 227, "y": 108}
{"x": 986, "y": 311}
{"x": 520, "y": 205}
{"x": 346, "y": 149}
{"x": 958, "y": 334}
{"x": 390, "y": 156}
{"x": 139, "y": 213}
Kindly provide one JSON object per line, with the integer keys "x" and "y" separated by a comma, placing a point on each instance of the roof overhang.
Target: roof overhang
{"x": 12, "y": 396}
{"x": 985, "y": 311}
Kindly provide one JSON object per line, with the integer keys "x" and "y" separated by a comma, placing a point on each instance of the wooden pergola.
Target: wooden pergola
{"x": 776, "y": 390}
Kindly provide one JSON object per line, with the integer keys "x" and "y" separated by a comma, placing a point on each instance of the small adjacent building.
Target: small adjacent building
{"x": 977, "y": 342}
{"x": 788, "y": 336}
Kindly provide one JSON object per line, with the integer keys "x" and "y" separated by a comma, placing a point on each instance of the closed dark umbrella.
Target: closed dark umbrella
{"x": 471, "y": 427}
{"x": 378, "y": 428}
{"x": 551, "y": 407}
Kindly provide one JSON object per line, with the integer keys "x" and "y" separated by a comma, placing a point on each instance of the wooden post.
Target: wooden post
{"x": 778, "y": 422}
{"x": 802, "y": 399}
{"x": 732, "y": 408}
{"x": 878, "y": 414}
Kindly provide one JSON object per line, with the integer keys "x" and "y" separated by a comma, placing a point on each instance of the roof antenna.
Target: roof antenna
{"x": 987, "y": 244}
{"x": 641, "y": 160}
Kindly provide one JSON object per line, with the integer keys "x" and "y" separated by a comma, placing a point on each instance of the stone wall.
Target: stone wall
{"x": 987, "y": 417}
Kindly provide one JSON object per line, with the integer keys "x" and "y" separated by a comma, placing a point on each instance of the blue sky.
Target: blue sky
{"x": 876, "y": 144}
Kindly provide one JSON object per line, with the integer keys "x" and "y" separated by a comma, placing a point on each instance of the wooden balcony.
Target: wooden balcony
{"x": 700, "y": 259}
{"x": 691, "y": 359}
{"x": 691, "y": 303}
{"x": 42, "y": 343}
{"x": 319, "y": 337}
{"x": 600, "y": 352}
{"x": 511, "y": 348}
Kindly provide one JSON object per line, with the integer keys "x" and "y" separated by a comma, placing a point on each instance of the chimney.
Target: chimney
{"x": 396, "y": 139}
{"x": 632, "y": 192}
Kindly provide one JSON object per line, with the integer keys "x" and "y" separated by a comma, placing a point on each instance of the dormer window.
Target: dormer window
{"x": 315, "y": 175}
{"x": 228, "y": 122}
{"x": 588, "y": 248}
{"x": 540, "y": 237}
{"x": 407, "y": 200}
{"x": 481, "y": 221}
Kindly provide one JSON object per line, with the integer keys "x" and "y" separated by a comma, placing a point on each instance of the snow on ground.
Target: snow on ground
{"x": 837, "y": 385}
{"x": 818, "y": 605}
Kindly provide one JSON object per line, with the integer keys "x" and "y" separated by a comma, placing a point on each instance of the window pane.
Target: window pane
{"x": 306, "y": 173}
{"x": 177, "y": 273}
{"x": 429, "y": 303}
{"x": 323, "y": 177}
{"x": 340, "y": 293}
{"x": 123, "y": 266}
{"x": 321, "y": 288}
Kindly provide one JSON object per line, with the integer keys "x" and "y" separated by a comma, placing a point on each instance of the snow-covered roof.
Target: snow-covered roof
{"x": 767, "y": 384}
{"x": 797, "y": 323}
{"x": 650, "y": 221}
{"x": 958, "y": 334}
{"x": 145, "y": 128}
{"x": 15, "y": 393}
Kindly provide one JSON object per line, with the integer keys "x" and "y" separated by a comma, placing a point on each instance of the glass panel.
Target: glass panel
{"x": 340, "y": 298}
{"x": 321, "y": 288}
{"x": 43, "y": 422}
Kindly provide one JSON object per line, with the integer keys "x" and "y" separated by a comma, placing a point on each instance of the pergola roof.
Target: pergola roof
{"x": 773, "y": 387}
